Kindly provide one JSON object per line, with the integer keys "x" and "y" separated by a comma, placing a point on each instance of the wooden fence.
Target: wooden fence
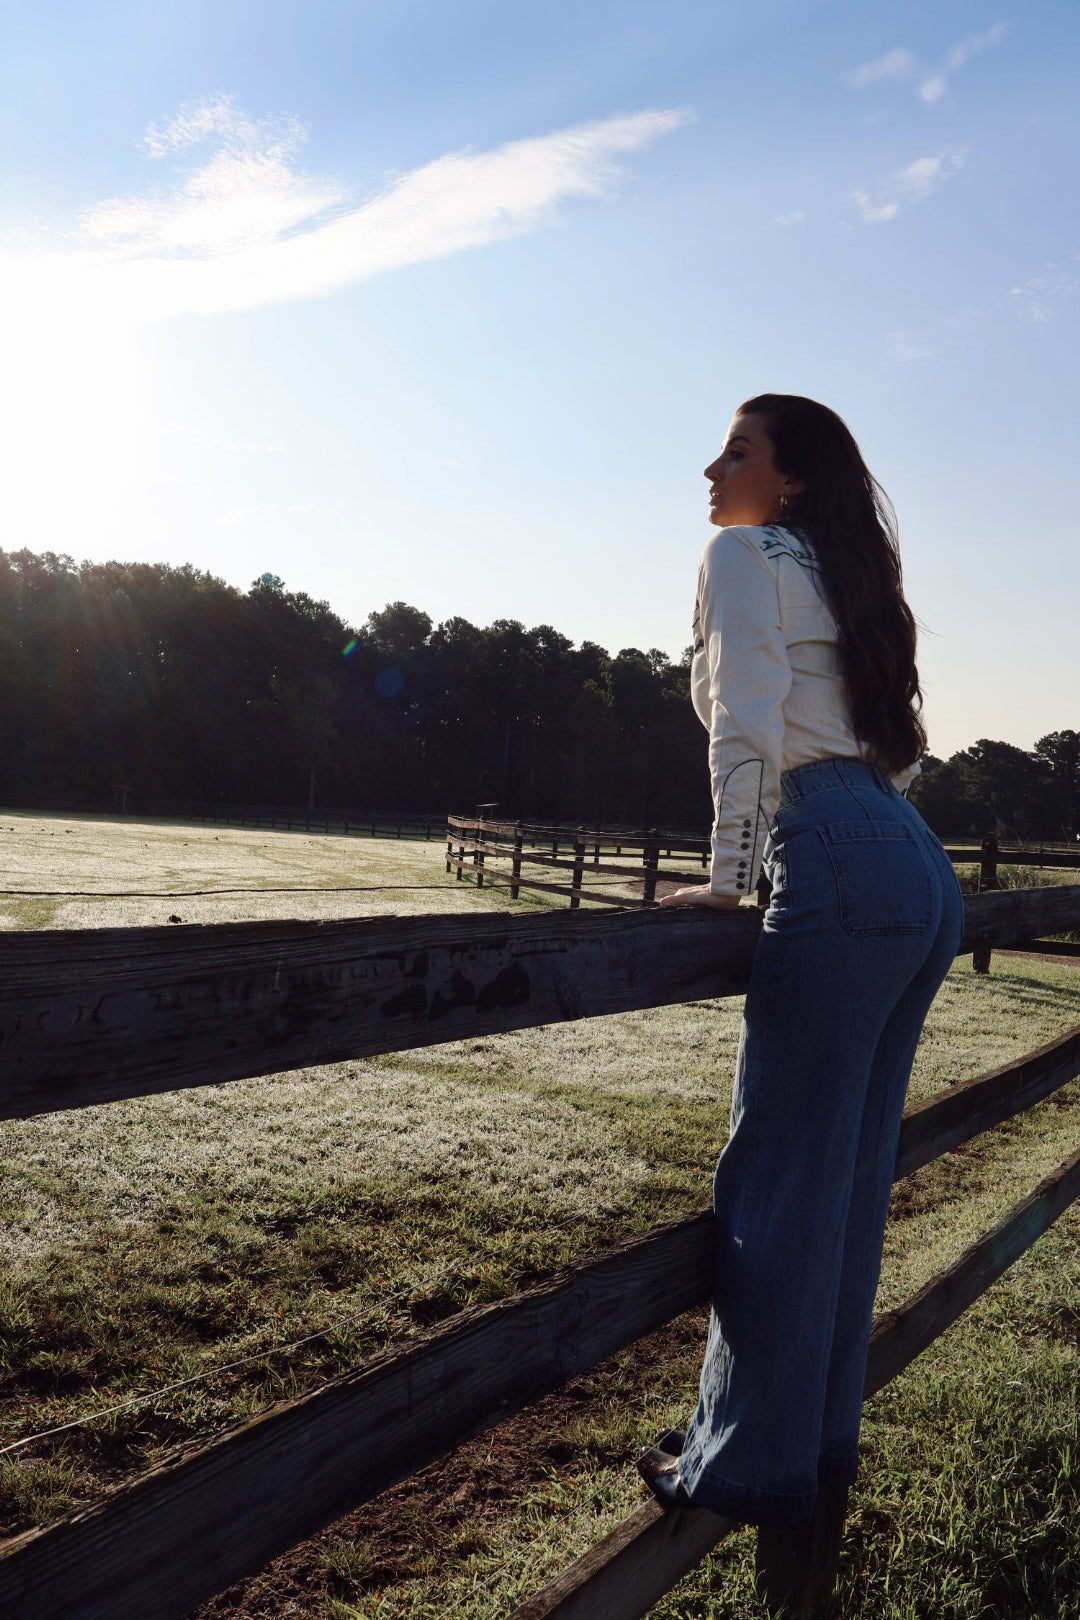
{"x": 991, "y": 853}
{"x": 292, "y": 818}
{"x": 988, "y": 857}
{"x": 350, "y": 823}
{"x": 87, "y": 1016}
{"x": 575, "y": 850}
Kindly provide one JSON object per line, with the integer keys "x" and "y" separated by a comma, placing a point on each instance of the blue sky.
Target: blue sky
{"x": 452, "y": 302}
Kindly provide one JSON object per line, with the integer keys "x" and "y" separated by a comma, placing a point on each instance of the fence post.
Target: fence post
{"x": 579, "y": 869}
{"x": 477, "y": 857}
{"x": 449, "y": 848}
{"x": 651, "y": 859}
{"x": 461, "y": 854}
{"x": 515, "y": 865}
{"x": 988, "y": 879}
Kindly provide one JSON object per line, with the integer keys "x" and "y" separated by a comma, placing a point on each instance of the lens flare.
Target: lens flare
{"x": 388, "y": 682}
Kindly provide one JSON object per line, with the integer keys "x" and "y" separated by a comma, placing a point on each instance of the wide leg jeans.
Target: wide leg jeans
{"x": 865, "y": 918}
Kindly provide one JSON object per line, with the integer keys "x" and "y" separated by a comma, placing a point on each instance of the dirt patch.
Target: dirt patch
{"x": 663, "y": 885}
{"x": 459, "y": 1499}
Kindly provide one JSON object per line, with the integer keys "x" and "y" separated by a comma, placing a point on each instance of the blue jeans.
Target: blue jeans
{"x": 865, "y": 918}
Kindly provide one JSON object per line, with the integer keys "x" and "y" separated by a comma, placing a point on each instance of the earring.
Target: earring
{"x": 783, "y": 503}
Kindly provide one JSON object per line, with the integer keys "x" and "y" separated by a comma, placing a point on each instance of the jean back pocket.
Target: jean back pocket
{"x": 882, "y": 882}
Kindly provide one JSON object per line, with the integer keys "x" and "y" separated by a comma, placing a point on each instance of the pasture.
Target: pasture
{"x": 247, "y": 1241}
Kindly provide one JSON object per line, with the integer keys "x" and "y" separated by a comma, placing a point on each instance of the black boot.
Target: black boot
{"x": 796, "y": 1569}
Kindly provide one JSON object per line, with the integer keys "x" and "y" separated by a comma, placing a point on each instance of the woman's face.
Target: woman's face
{"x": 744, "y": 484}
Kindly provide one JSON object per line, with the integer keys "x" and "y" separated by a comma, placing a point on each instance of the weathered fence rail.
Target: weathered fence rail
{"x": 92, "y": 1015}
{"x": 97, "y": 1014}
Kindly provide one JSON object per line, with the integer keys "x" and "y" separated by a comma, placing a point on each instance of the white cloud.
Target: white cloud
{"x": 228, "y": 219}
{"x": 249, "y": 228}
{"x": 795, "y": 217}
{"x": 897, "y": 64}
{"x": 974, "y": 43}
{"x": 906, "y": 186}
{"x": 198, "y": 119}
{"x": 874, "y": 213}
{"x": 238, "y": 199}
{"x": 920, "y": 178}
{"x": 234, "y": 519}
{"x": 904, "y": 64}
{"x": 905, "y": 350}
{"x": 1037, "y": 298}
{"x": 247, "y": 193}
{"x": 933, "y": 88}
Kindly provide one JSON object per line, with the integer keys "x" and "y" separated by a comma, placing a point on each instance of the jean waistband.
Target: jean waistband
{"x": 820, "y": 774}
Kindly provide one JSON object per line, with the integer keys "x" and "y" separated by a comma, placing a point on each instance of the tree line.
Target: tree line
{"x": 997, "y": 787}
{"x": 180, "y": 688}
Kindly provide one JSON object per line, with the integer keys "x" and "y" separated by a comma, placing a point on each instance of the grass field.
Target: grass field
{"x": 149, "y": 1242}
{"x": 89, "y": 872}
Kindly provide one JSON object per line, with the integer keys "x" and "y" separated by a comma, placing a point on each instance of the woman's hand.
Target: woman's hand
{"x": 701, "y": 895}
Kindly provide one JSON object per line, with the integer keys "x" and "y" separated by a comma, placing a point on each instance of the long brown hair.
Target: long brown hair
{"x": 851, "y": 525}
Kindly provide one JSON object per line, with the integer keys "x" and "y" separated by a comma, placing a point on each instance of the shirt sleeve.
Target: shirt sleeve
{"x": 749, "y": 678}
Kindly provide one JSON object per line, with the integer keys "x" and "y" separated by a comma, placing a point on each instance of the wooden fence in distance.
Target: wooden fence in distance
{"x": 291, "y": 818}
{"x": 96, "y": 1014}
{"x": 577, "y": 851}
{"x": 349, "y": 823}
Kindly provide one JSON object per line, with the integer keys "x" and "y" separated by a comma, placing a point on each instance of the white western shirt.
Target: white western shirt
{"x": 766, "y": 682}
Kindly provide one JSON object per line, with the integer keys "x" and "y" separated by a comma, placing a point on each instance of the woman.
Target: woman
{"x": 804, "y": 672}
